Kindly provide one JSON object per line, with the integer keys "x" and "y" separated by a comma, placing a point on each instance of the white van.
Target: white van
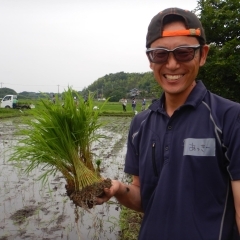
{"x": 7, "y": 101}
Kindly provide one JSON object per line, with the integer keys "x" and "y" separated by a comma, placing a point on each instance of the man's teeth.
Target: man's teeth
{"x": 173, "y": 77}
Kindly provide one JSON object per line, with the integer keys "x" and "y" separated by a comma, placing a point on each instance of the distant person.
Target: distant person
{"x": 143, "y": 104}
{"x": 134, "y": 104}
{"x": 15, "y": 103}
{"x": 75, "y": 100}
{"x": 53, "y": 99}
{"x": 124, "y": 104}
{"x": 85, "y": 99}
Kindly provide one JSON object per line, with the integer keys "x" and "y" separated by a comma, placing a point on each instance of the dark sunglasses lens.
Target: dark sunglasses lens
{"x": 184, "y": 54}
{"x": 158, "y": 56}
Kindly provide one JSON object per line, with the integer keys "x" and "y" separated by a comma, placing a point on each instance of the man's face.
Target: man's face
{"x": 177, "y": 78}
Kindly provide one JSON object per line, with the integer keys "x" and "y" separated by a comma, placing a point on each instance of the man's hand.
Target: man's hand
{"x": 108, "y": 193}
{"x": 236, "y": 195}
{"x": 127, "y": 195}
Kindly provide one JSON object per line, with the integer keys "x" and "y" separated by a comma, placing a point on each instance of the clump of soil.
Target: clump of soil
{"x": 21, "y": 215}
{"x": 86, "y": 197}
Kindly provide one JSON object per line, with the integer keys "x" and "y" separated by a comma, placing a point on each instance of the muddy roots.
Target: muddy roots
{"x": 86, "y": 197}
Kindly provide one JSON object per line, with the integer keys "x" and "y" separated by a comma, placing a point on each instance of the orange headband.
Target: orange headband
{"x": 188, "y": 32}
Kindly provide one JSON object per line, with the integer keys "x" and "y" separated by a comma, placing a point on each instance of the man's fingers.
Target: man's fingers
{"x": 99, "y": 201}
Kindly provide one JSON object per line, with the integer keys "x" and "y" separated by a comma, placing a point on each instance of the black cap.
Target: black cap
{"x": 193, "y": 25}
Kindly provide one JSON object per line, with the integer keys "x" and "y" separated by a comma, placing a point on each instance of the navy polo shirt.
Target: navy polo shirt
{"x": 185, "y": 164}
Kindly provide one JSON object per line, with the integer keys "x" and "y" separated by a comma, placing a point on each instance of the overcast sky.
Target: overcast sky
{"x": 47, "y": 45}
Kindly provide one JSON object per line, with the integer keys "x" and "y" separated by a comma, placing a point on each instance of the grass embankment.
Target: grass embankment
{"x": 129, "y": 222}
{"x": 8, "y": 113}
{"x": 115, "y": 109}
{"x": 109, "y": 109}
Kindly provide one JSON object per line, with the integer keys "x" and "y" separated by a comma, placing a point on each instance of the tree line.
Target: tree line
{"x": 23, "y": 95}
{"x": 119, "y": 85}
{"x": 221, "y": 21}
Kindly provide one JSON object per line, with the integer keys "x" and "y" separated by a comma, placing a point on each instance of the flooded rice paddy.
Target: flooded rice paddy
{"x": 30, "y": 211}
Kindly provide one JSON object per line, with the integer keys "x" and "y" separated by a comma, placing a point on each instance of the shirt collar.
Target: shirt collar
{"x": 194, "y": 99}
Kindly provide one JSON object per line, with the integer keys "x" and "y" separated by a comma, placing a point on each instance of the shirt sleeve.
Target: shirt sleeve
{"x": 132, "y": 157}
{"x": 232, "y": 144}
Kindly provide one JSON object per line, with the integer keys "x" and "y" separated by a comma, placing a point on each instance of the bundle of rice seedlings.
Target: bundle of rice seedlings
{"x": 59, "y": 139}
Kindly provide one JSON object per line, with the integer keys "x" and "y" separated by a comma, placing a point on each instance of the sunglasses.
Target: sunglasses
{"x": 181, "y": 54}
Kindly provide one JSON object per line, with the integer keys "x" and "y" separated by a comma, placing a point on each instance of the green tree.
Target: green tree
{"x": 116, "y": 95}
{"x": 221, "y": 22}
{"x": 7, "y": 91}
{"x": 118, "y": 85}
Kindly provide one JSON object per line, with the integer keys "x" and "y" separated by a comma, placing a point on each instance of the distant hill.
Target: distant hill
{"x": 122, "y": 85}
{"x": 114, "y": 86}
{"x": 6, "y": 91}
{"x": 23, "y": 95}
{"x": 33, "y": 95}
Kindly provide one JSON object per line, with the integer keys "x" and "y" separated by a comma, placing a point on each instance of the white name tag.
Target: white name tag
{"x": 199, "y": 147}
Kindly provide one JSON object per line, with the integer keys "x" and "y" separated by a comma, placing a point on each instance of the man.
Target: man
{"x": 124, "y": 104}
{"x": 184, "y": 151}
{"x": 15, "y": 101}
{"x": 75, "y": 100}
{"x": 53, "y": 99}
{"x": 143, "y": 104}
{"x": 134, "y": 104}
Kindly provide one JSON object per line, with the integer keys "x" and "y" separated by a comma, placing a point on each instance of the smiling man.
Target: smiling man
{"x": 184, "y": 151}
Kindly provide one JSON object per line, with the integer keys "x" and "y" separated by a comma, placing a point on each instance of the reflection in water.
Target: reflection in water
{"x": 30, "y": 211}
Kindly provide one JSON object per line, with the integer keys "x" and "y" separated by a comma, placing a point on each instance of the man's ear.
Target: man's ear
{"x": 151, "y": 65}
{"x": 204, "y": 53}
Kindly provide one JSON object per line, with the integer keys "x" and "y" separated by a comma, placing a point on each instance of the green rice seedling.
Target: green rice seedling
{"x": 98, "y": 163}
{"x": 59, "y": 139}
